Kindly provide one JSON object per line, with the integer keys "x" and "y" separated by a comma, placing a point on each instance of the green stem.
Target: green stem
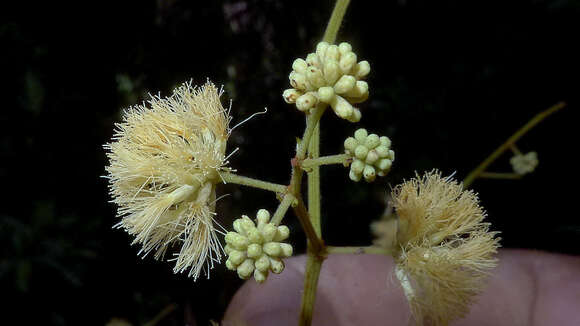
{"x": 515, "y": 149}
{"x": 325, "y": 160}
{"x": 311, "y": 124}
{"x": 359, "y": 250}
{"x": 500, "y": 175}
{"x": 313, "y": 266}
{"x": 316, "y": 249}
{"x": 509, "y": 142}
{"x": 314, "y": 183}
{"x": 228, "y": 177}
{"x": 282, "y": 208}
{"x": 315, "y": 243}
{"x": 335, "y": 21}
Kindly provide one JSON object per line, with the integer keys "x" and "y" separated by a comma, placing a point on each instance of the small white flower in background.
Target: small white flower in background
{"x": 257, "y": 248}
{"x": 524, "y": 163}
{"x": 165, "y": 160}
{"x": 330, "y": 75}
{"x": 372, "y": 155}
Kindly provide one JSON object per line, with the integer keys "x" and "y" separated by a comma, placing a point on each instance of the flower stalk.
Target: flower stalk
{"x": 371, "y": 250}
{"x": 510, "y": 142}
{"x": 314, "y": 260}
{"x": 229, "y": 177}
{"x": 324, "y": 160}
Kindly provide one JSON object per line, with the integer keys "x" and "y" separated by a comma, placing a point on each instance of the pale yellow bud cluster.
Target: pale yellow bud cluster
{"x": 372, "y": 155}
{"x": 524, "y": 163}
{"x": 330, "y": 75}
{"x": 257, "y": 248}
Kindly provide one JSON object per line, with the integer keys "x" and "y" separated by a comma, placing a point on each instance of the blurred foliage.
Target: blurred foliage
{"x": 450, "y": 81}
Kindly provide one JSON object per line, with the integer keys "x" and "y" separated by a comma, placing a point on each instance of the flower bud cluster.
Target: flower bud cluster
{"x": 257, "y": 249}
{"x": 524, "y": 163}
{"x": 330, "y": 75}
{"x": 372, "y": 155}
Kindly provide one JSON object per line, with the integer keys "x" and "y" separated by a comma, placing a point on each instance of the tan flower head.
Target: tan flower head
{"x": 446, "y": 250}
{"x": 165, "y": 160}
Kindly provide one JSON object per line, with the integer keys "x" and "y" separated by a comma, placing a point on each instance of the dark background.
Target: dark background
{"x": 450, "y": 81}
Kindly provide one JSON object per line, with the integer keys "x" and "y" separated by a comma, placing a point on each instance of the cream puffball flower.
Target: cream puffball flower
{"x": 445, "y": 249}
{"x": 165, "y": 160}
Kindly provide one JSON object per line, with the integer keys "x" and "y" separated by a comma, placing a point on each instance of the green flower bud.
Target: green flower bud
{"x": 326, "y": 94}
{"x": 341, "y": 107}
{"x": 276, "y": 265}
{"x": 350, "y": 144}
{"x": 286, "y": 250}
{"x": 291, "y": 95}
{"x": 321, "y": 49}
{"x": 255, "y": 236}
{"x": 369, "y": 173}
{"x": 315, "y": 77}
{"x": 260, "y": 276}
{"x": 263, "y": 263}
{"x": 263, "y": 216}
{"x": 347, "y": 62}
{"x": 372, "y": 157}
{"x": 356, "y": 115}
{"x": 298, "y": 81}
{"x": 237, "y": 257}
{"x": 372, "y": 141}
{"x": 246, "y": 269}
{"x": 362, "y": 69}
{"x": 359, "y": 89}
{"x": 254, "y": 250}
{"x": 361, "y": 135}
{"x": 272, "y": 249}
{"x": 238, "y": 226}
{"x": 383, "y": 151}
{"x": 236, "y": 241}
{"x": 344, "y": 48}
{"x": 357, "y": 166}
{"x": 306, "y": 102}
{"x": 299, "y": 65}
{"x": 361, "y": 152}
{"x": 354, "y": 176}
{"x": 313, "y": 60}
{"x": 384, "y": 164}
{"x": 331, "y": 72}
{"x": 268, "y": 232}
{"x": 344, "y": 84}
{"x": 228, "y": 249}
{"x": 282, "y": 233}
{"x": 332, "y": 53}
{"x": 230, "y": 266}
{"x": 385, "y": 141}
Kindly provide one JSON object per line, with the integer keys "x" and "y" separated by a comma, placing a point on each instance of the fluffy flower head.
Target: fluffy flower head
{"x": 165, "y": 160}
{"x": 446, "y": 250}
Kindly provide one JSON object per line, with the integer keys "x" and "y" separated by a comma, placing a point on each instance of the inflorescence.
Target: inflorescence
{"x": 331, "y": 75}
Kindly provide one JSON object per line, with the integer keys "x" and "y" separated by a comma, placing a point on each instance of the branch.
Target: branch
{"x": 508, "y": 143}
{"x": 228, "y": 177}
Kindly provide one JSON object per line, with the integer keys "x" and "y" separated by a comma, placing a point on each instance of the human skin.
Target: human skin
{"x": 527, "y": 288}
